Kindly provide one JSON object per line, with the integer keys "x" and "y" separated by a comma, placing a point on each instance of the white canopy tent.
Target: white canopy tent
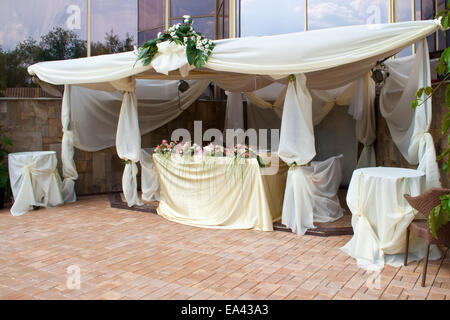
{"x": 337, "y": 58}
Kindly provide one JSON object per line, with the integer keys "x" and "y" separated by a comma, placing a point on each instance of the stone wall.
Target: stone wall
{"x": 387, "y": 153}
{"x": 35, "y": 124}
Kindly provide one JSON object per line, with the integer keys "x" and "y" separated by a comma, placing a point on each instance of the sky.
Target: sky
{"x": 20, "y": 19}
{"x": 285, "y": 16}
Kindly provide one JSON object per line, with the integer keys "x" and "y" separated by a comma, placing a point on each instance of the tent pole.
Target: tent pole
{"x": 89, "y": 26}
{"x": 305, "y": 15}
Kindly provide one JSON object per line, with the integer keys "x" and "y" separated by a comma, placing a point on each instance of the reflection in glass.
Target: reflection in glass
{"x": 193, "y": 8}
{"x": 23, "y": 19}
{"x": 151, "y": 14}
{"x": 404, "y": 13}
{"x": 327, "y": 14}
{"x": 148, "y": 35}
{"x": 264, "y": 17}
{"x": 116, "y": 17}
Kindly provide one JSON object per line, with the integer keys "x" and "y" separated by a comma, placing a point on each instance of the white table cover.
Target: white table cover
{"x": 312, "y": 195}
{"x": 381, "y": 215}
{"x": 34, "y": 180}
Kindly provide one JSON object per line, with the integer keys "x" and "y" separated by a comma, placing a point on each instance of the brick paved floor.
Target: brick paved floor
{"x": 123, "y": 254}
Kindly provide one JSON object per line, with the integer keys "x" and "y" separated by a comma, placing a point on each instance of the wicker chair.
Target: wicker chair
{"x": 424, "y": 203}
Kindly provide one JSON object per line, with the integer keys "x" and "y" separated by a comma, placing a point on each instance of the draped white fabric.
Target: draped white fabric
{"x": 69, "y": 170}
{"x": 150, "y": 183}
{"x": 380, "y": 216}
{"x": 234, "y": 114}
{"x": 363, "y": 110}
{"x": 170, "y": 57}
{"x": 100, "y": 110}
{"x": 330, "y": 58}
{"x": 34, "y": 180}
{"x": 311, "y": 195}
{"x": 409, "y": 128}
{"x": 297, "y": 132}
{"x": 128, "y": 139}
{"x": 278, "y": 55}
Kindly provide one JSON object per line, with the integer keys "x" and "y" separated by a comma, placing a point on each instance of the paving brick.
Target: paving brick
{"x": 126, "y": 254}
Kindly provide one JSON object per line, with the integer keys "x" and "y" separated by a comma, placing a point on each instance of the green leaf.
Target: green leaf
{"x": 7, "y": 141}
{"x": 438, "y": 217}
{"x": 414, "y": 104}
{"x": 419, "y": 93}
{"x": 445, "y": 166}
{"x": 443, "y": 154}
{"x": 447, "y": 96}
{"x": 445, "y": 126}
{"x": 440, "y": 13}
{"x": 444, "y": 22}
{"x": 428, "y": 91}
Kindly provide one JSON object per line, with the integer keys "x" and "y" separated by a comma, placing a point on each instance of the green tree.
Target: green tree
{"x": 60, "y": 44}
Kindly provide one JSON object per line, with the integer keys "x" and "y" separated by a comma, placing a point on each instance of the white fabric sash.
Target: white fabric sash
{"x": 70, "y": 173}
{"x": 409, "y": 128}
{"x": 128, "y": 139}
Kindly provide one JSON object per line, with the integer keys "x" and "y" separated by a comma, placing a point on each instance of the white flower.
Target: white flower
{"x": 186, "y": 16}
{"x": 159, "y": 34}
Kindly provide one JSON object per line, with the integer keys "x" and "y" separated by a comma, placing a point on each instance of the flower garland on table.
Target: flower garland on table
{"x": 198, "y": 48}
{"x": 239, "y": 151}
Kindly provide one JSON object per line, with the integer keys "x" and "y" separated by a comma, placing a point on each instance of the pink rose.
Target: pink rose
{"x": 164, "y": 142}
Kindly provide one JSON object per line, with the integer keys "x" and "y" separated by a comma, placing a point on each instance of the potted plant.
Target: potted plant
{"x": 5, "y": 188}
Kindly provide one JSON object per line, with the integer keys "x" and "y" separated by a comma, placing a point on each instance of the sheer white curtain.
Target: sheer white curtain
{"x": 409, "y": 128}
{"x": 128, "y": 139}
{"x": 362, "y": 108}
{"x": 234, "y": 114}
{"x": 69, "y": 170}
{"x": 297, "y": 146}
{"x": 158, "y": 104}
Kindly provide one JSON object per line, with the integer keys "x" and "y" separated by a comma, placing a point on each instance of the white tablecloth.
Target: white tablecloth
{"x": 34, "y": 180}
{"x": 380, "y": 216}
{"x": 219, "y": 192}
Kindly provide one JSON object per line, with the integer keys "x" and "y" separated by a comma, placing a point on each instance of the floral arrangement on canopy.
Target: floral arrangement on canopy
{"x": 198, "y": 48}
{"x": 239, "y": 151}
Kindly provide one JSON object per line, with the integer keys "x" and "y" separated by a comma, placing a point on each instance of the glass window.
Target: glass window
{"x": 441, "y": 38}
{"x": 222, "y": 25}
{"x": 23, "y": 19}
{"x": 114, "y": 22}
{"x": 34, "y": 31}
{"x": 193, "y": 8}
{"x": 327, "y": 14}
{"x": 151, "y": 14}
{"x": 262, "y": 17}
{"x": 148, "y": 35}
{"x": 404, "y": 13}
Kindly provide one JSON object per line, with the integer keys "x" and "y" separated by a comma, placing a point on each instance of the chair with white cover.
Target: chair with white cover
{"x": 149, "y": 178}
{"x": 315, "y": 195}
{"x": 35, "y": 181}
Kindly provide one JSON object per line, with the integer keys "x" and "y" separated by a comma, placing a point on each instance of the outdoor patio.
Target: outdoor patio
{"x": 124, "y": 254}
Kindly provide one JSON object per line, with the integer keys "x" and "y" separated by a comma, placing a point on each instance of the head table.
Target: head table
{"x": 219, "y": 192}
{"x": 380, "y": 216}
